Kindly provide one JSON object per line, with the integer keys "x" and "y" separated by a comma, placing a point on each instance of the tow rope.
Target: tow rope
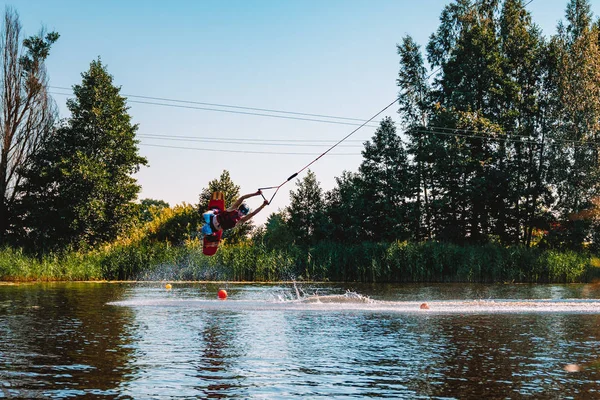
{"x": 295, "y": 174}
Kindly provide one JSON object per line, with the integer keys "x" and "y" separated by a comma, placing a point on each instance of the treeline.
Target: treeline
{"x": 498, "y": 149}
{"x": 492, "y": 174}
{"x": 498, "y": 142}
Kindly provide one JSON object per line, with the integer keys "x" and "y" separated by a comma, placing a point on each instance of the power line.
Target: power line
{"x": 244, "y": 142}
{"x": 232, "y": 111}
{"x": 325, "y": 152}
{"x": 226, "y": 105}
{"x": 555, "y": 142}
{"x": 213, "y": 138}
{"x": 433, "y": 130}
{"x": 243, "y": 151}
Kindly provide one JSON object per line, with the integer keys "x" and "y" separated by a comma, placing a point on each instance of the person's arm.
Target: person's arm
{"x": 253, "y": 213}
{"x": 239, "y": 201}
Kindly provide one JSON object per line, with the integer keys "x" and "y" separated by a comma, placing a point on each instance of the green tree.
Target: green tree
{"x": 578, "y": 61}
{"x": 505, "y": 141}
{"x": 415, "y": 109}
{"x": 148, "y": 209}
{"x": 231, "y": 191}
{"x": 224, "y": 184}
{"x": 80, "y": 186}
{"x": 470, "y": 60}
{"x": 306, "y": 210}
{"x": 576, "y": 128}
{"x": 346, "y": 208}
{"x": 277, "y": 234}
{"x": 27, "y": 112}
{"x": 521, "y": 162}
{"x": 487, "y": 104}
{"x": 386, "y": 185}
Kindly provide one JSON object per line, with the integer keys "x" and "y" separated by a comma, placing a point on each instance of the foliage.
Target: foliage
{"x": 306, "y": 211}
{"x": 149, "y": 208}
{"x": 346, "y": 205}
{"x": 173, "y": 225}
{"x": 499, "y": 146}
{"x": 414, "y": 109}
{"x": 224, "y": 184}
{"x": 492, "y": 176}
{"x": 277, "y": 234}
{"x": 79, "y": 185}
{"x": 18, "y": 266}
{"x": 384, "y": 181}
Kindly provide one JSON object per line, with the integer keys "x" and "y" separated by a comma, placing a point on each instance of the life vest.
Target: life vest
{"x": 228, "y": 219}
{"x": 214, "y": 223}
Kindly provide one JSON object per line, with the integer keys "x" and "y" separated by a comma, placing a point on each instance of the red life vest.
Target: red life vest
{"x": 228, "y": 219}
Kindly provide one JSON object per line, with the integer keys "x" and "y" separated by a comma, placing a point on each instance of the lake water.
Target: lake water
{"x": 142, "y": 341}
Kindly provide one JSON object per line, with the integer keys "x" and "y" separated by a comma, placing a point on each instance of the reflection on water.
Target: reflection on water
{"x": 56, "y": 337}
{"x": 142, "y": 341}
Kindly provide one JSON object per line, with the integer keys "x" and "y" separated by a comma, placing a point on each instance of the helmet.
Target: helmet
{"x": 243, "y": 208}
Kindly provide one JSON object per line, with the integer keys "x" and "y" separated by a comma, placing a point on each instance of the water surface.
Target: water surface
{"x": 139, "y": 340}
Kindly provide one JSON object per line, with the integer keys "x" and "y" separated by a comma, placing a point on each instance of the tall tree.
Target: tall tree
{"x": 415, "y": 99}
{"x": 231, "y": 191}
{"x": 80, "y": 186}
{"x": 346, "y": 208}
{"x": 386, "y": 179}
{"x": 27, "y": 111}
{"x": 306, "y": 210}
{"x": 577, "y": 128}
{"x": 277, "y": 234}
{"x": 522, "y": 161}
{"x": 506, "y": 138}
{"x": 467, "y": 94}
{"x": 412, "y": 80}
{"x": 224, "y": 184}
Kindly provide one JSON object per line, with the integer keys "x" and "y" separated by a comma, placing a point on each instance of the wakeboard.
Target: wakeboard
{"x": 210, "y": 243}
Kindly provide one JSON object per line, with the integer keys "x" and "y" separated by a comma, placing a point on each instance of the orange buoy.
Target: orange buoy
{"x": 424, "y": 306}
{"x": 572, "y": 368}
{"x": 222, "y": 294}
{"x": 168, "y": 286}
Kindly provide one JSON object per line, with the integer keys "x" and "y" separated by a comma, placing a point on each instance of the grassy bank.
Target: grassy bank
{"x": 369, "y": 262}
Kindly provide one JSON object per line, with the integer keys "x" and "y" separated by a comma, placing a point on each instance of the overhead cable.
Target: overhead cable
{"x": 242, "y": 112}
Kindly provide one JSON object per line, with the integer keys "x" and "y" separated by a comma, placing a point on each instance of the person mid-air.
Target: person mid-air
{"x": 239, "y": 212}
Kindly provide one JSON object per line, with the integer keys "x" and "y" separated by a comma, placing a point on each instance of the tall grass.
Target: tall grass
{"x": 16, "y": 266}
{"x": 367, "y": 262}
{"x": 161, "y": 261}
{"x": 442, "y": 262}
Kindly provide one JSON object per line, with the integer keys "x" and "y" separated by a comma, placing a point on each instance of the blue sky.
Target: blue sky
{"x": 323, "y": 57}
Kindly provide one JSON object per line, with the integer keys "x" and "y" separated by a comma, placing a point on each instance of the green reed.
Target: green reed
{"x": 75, "y": 266}
{"x": 366, "y": 262}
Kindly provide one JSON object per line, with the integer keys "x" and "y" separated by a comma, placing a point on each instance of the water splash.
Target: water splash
{"x": 348, "y": 297}
{"x": 356, "y": 302}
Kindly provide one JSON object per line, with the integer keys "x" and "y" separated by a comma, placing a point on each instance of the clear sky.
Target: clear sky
{"x": 333, "y": 57}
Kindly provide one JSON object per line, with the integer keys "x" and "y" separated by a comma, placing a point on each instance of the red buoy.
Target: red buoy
{"x": 222, "y": 294}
